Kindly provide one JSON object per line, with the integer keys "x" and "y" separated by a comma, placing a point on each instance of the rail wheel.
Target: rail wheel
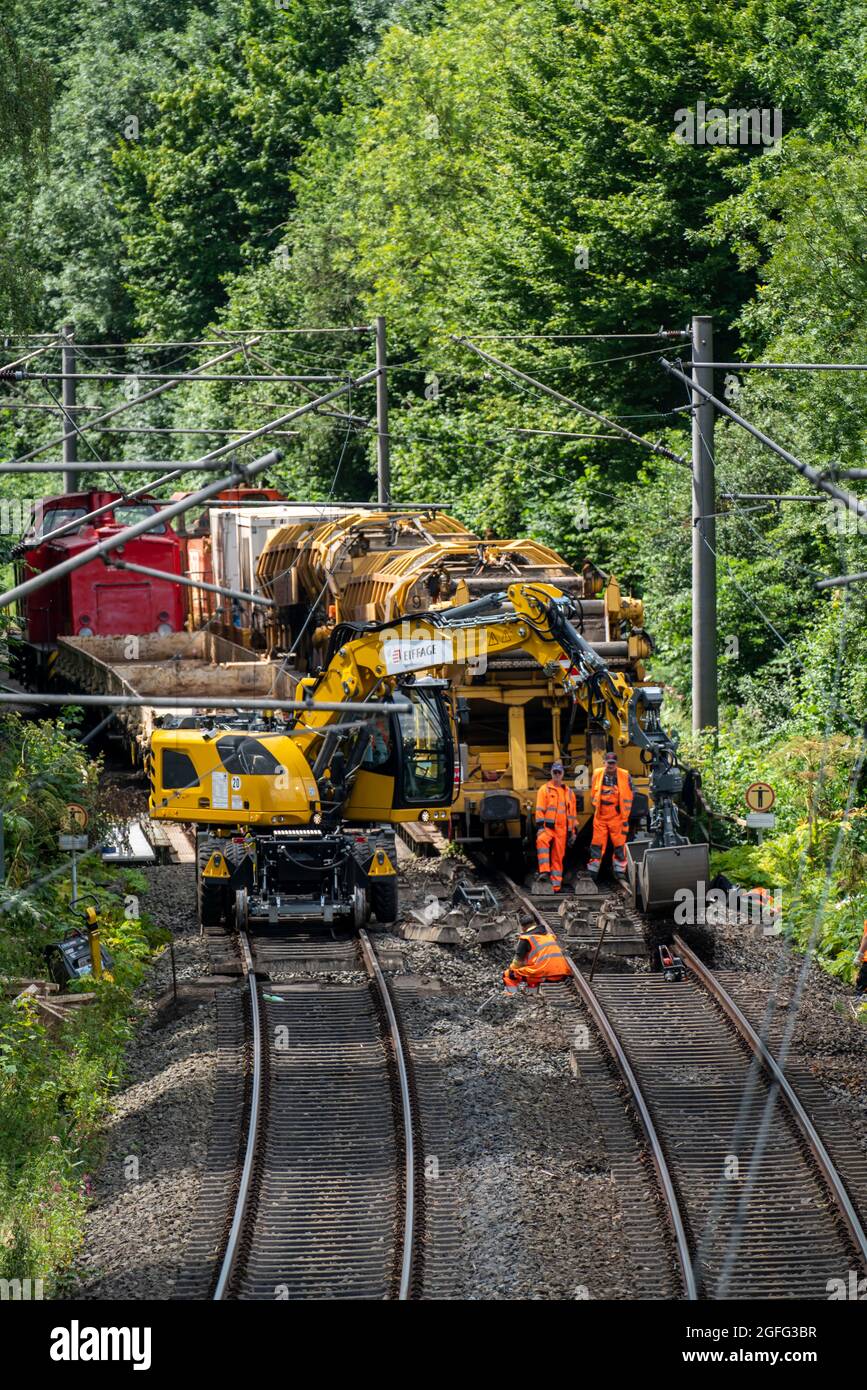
{"x": 242, "y": 910}
{"x": 360, "y": 906}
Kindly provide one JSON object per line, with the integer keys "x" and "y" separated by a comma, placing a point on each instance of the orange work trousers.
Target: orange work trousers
{"x": 550, "y": 848}
{"x": 607, "y": 824}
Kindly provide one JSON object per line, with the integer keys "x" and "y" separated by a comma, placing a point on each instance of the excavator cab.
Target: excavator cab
{"x": 406, "y": 765}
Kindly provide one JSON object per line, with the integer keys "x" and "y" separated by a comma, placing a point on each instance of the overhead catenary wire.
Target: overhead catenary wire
{"x": 240, "y": 473}
{"x": 179, "y": 466}
{"x": 580, "y": 337}
{"x": 737, "y": 512}
{"x": 659, "y": 449}
{"x": 178, "y": 378}
{"x": 184, "y": 429}
{"x": 209, "y": 342}
{"x": 773, "y": 497}
{"x": 335, "y": 414}
{"x": 127, "y": 405}
{"x": 28, "y": 357}
{"x": 414, "y": 365}
{"x": 812, "y": 475}
{"x": 786, "y": 366}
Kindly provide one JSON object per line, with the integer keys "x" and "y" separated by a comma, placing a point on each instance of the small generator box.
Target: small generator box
{"x": 70, "y": 959}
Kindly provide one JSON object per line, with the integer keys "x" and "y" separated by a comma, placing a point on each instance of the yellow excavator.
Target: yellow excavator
{"x": 295, "y": 818}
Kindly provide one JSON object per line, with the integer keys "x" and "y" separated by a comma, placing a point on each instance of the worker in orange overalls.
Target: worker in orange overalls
{"x": 537, "y": 957}
{"x": 611, "y": 794}
{"x": 861, "y": 962}
{"x": 556, "y": 825}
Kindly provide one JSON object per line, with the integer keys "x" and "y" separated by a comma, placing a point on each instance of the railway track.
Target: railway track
{"x": 762, "y": 1199}
{"x": 326, "y": 1199}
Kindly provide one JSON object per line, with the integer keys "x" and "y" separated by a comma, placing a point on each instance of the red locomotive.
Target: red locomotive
{"x": 95, "y": 600}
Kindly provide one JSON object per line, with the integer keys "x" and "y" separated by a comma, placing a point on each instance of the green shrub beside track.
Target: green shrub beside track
{"x": 56, "y": 1085}
{"x": 817, "y": 853}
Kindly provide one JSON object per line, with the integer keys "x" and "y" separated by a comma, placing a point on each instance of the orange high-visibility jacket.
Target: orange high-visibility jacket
{"x": 555, "y": 806}
{"x": 545, "y": 960}
{"x": 602, "y": 797}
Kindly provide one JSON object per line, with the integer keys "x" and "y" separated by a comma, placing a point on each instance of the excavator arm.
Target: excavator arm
{"x": 534, "y": 618}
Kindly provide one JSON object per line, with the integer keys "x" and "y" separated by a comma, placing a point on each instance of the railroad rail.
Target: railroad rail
{"x": 757, "y": 1205}
{"x": 327, "y": 1201}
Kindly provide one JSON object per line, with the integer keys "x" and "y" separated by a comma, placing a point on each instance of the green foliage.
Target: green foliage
{"x": 818, "y": 852}
{"x": 55, "y": 1087}
{"x": 25, "y": 107}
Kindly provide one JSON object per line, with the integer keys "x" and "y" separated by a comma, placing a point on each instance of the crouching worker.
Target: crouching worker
{"x": 537, "y": 957}
{"x": 611, "y": 794}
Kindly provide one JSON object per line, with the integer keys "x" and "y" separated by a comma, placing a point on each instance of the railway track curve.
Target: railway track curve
{"x": 756, "y": 1204}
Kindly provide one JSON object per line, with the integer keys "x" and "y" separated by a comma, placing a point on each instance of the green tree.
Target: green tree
{"x": 25, "y": 114}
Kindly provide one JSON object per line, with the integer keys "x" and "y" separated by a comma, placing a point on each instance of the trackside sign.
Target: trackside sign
{"x": 415, "y": 656}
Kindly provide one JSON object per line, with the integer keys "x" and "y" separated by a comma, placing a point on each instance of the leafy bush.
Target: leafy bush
{"x": 56, "y": 1086}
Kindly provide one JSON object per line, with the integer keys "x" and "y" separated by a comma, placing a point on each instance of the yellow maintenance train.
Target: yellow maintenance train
{"x": 390, "y": 566}
{"x": 295, "y": 821}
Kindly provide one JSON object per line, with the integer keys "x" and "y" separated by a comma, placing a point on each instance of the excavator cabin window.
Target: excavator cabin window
{"x": 425, "y": 747}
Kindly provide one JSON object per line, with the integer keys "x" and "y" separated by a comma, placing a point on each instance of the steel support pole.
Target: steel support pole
{"x": 70, "y": 441}
{"x": 383, "y": 459}
{"x": 705, "y": 711}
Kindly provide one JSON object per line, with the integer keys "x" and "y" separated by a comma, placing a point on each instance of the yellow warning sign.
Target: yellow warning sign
{"x": 760, "y": 796}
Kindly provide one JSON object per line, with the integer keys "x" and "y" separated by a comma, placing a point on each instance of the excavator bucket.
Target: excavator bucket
{"x": 656, "y": 873}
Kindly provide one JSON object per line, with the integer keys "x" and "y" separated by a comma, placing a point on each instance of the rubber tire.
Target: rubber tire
{"x": 210, "y": 898}
{"x": 384, "y": 898}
